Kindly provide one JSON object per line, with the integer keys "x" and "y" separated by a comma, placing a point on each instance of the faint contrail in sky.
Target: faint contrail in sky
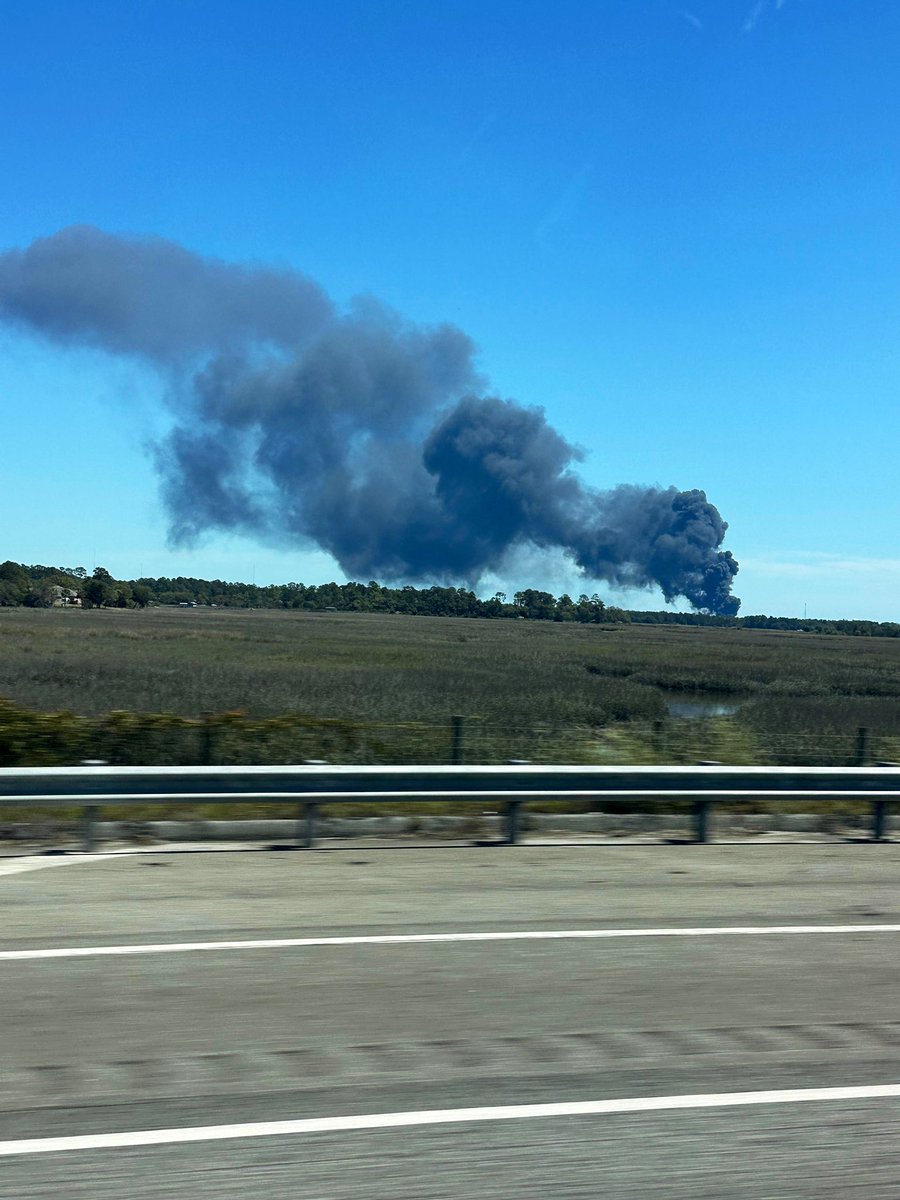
{"x": 566, "y": 203}
{"x": 753, "y": 16}
{"x": 356, "y": 431}
{"x": 691, "y": 18}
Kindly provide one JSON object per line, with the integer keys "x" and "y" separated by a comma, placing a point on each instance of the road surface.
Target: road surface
{"x": 752, "y": 980}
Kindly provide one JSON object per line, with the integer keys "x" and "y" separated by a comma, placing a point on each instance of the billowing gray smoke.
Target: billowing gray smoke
{"x": 356, "y": 431}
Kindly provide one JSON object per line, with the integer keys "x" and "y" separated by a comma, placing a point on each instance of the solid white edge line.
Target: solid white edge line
{"x": 445, "y": 1116}
{"x": 395, "y": 939}
{"x": 38, "y": 862}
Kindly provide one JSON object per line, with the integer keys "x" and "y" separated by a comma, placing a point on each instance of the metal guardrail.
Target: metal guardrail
{"x": 308, "y": 786}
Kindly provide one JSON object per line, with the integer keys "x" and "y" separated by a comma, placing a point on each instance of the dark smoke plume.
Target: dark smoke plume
{"x": 356, "y": 431}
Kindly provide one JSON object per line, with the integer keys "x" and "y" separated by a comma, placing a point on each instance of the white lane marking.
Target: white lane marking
{"x": 399, "y": 939}
{"x": 442, "y": 1116}
{"x": 37, "y": 862}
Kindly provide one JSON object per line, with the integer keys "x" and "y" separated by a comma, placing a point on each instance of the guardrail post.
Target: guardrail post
{"x": 306, "y": 824}
{"x": 879, "y": 811}
{"x": 702, "y": 806}
{"x": 701, "y": 820}
{"x": 879, "y": 820}
{"x": 89, "y": 828}
{"x": 512, "y": 821}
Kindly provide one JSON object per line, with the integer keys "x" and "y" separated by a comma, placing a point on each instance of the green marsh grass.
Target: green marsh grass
{"x": 368, "y": 687}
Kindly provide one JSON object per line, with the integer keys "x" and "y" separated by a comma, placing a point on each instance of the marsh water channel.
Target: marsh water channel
{"x": 696, "y": 707}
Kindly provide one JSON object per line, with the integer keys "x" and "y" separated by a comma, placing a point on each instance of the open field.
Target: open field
{"x": 386, "y": 686}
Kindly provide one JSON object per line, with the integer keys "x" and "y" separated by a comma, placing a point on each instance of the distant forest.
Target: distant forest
{"x": 48, "y": 587}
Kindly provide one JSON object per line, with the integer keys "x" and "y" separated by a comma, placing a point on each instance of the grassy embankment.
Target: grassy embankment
{"x": 380, "y": 688}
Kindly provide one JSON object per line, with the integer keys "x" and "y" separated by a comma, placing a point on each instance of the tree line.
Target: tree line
{"x": 43, "y": 587}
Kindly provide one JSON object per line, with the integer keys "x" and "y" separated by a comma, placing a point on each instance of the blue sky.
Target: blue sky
{"x": 673, "y": 226}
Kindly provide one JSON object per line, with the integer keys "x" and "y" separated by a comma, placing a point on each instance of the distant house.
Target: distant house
{"x": 64, "y": 597}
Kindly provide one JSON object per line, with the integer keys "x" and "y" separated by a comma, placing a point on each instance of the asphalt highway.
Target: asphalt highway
{"x": 112, "y": 1025}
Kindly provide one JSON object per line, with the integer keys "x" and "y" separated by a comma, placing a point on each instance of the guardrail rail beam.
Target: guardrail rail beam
{"x": 93, "y": 786}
